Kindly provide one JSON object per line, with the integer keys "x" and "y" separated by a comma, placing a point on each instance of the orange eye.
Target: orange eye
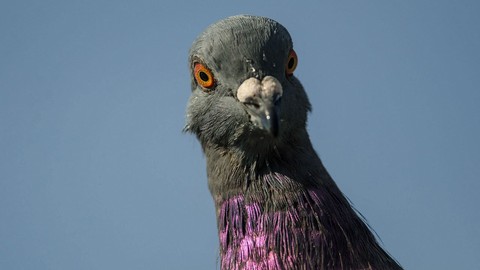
{"x": 291, "y": 63}
{"x": 203, "y": 76}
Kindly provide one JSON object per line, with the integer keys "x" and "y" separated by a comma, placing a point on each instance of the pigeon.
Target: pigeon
{"x": 276, "y": 205}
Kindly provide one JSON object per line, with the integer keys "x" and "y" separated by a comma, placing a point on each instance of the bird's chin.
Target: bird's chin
{"x": 259, "y": 140}
{"x": 264, "y": 136}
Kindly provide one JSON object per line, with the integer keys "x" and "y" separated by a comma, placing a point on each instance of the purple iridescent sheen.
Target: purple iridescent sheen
{"x": 298, "y": 237}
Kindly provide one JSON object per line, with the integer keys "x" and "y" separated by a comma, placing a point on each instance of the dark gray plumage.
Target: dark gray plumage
{"x": 277, "y": 207}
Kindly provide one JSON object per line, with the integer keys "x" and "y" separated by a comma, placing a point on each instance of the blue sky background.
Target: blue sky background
{"x": 95, "y": 172}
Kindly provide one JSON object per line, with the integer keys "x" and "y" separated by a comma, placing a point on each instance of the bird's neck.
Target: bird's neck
{"x": 239, "y": 170}
{"x": 261, "y": 227}
{"x": 259, "y": 200}
{"x": 274, "y": 215}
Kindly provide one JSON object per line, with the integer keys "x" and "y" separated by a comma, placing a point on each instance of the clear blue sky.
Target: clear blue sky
{"x": 95, "y": 172}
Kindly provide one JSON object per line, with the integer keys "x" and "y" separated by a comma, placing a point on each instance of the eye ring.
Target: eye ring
{"x": 291, "y": 64}
{"x": 203, "y": 76}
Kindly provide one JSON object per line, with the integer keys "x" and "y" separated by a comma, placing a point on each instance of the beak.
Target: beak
{"x": 262, "y": 102}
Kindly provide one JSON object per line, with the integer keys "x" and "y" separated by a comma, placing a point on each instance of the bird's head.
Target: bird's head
{"x": 244, "y": 92}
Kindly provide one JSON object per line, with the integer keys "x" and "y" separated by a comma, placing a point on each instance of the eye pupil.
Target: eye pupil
{"x": 203, "y": 76}
{"x": 291, "y": 62}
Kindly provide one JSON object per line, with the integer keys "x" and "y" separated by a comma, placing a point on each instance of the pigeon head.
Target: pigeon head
{"x": 244, "y": 91}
